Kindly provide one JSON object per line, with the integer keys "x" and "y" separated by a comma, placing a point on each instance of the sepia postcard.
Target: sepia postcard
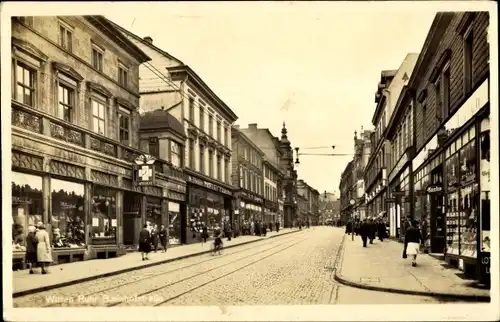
{"x": 250, "y": 161}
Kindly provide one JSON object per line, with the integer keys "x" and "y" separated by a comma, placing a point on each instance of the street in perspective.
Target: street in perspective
{"x": 155, "y": 167}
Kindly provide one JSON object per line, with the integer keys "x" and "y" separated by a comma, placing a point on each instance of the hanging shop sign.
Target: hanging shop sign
{"x": 145, "y": 171}
{"x": 434, "y": 189}
{"x": 209, "y": 185}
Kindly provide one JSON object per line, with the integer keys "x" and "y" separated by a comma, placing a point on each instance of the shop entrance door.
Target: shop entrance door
{"x": 438, "y": 220}
{"x": 131, "y": 218}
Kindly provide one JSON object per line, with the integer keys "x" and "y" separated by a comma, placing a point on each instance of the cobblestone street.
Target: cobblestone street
{"x": 292, "y": 269}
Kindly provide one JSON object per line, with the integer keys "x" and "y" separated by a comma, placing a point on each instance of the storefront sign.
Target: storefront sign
{"x": 484, "y": 180}
{"x": 175, "y": 196}
{"x": 434, "y": 188}
{"x": 251, "y": 197}
{"x": 177, "y": 187}
{"x": 209, "y": 185}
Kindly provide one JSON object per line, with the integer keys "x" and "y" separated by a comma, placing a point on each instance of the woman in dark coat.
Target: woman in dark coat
{"x": 381, "y": 230}
{"x": 144, "y": 242}
{"x": 31, "y": 243}
{"x": 257, "y": 228}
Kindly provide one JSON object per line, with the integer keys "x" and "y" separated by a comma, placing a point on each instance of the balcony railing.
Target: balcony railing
{"x": 35, "y": 121}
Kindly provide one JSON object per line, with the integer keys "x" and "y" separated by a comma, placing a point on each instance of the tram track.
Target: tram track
{"x": 96, "y": 294}
{"x": 144, "y": 298}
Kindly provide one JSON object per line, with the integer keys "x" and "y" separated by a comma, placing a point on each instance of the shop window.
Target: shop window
{"x": 452, "y": 164}
{"x": 68, "y": 216}
{"x": 468, "y": 162}
{"x": 103, "y": 213}
{"x": 174, "y": 220}
{"x": 27, "y": 206}
{"x": 485, "y": 186}
{"x": 153, "y": 213}
{"x": 468, "y": 221}
{"x": 452, "y": 224}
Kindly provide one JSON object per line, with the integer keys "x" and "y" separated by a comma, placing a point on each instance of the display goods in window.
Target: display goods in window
{"x": 68, "y": 226}
{"x": 104, "y": 213}
{"x": 452, "y": 225}
{"x": 27, "y": 206}
{"x": 468, "y": 221}
{"x": 452, "y": 170}
{"x": 468, "y": 163}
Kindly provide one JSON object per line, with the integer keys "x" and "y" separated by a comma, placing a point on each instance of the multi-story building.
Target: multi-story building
{"x": 347, "y": 195}
{"x": 329, "y": 207}
{"x": 247, "y": 178}
{"x": 166, "y": 82}
{"x": 442, "y": 167}
{"x": 362, "y": 149}
{"x": 302, "y": 209}
{"x": 273, "y": 175}
{"x": 289, "y": 181}
{"x": 311, "y": 197}
{"x": 314, "y": 204}
{"x": 163, "y": 136}
{"x": 75, "y": 134}
{"x": 304, "y": 192}
{"x": 375, "y": 176}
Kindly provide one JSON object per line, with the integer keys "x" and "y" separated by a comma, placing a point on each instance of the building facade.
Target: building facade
{"x": 311, "y": 197}
{"x": 75, "y": 134}
{"x": 163, "y": 137}
{"x": 247, "y": 178}
{"x": 166, "y": 82}
{"x": 273, "y": 173}
{"x": 375, "y": 176}
{"x": 362, "y": 150}
{"x": 290, "y": 210}
{"x": 347, "y": 194}
{"x": 329, "y": 208}
{"x": 450, "y": 167}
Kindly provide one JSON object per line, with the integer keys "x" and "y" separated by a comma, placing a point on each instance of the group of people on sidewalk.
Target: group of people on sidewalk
{"x": 38, "y": 249}
{"x": 370, "y": 228}
{"x": 150, "y": 238}
{"x": 259, "y": 228}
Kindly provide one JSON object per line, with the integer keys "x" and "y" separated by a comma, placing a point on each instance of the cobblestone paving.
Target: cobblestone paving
{"x": 295, "y": 269}
{"x": 299, "y": 275}
{"x": 114, "y": 288}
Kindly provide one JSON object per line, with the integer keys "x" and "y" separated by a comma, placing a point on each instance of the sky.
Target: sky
{"x": 314, "y": 66}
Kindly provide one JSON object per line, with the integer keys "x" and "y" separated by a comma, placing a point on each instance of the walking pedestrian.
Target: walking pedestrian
{"x": 372, "y": 230}
{"x": 381, "y": 230}
{"x": 264, "y": 228}
{"x": 145, "y": 242}
{"x": 277, "y": 226}
{"x": 413, "y": 240}
{"x": 43, "y": 249}
{"x": 364, "y": 231}
{"x": 252, "y": 227}
{"x": 204, "y": 234}
{"x": 31, "y": 248}
{"x": 227, "y": 227}
{"x": 154, "y": 237}
{"x": 162, "y": 234}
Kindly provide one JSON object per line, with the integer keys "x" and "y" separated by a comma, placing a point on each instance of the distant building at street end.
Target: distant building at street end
{"x": 310, "y": 211}
{"x": 329, "y": 208}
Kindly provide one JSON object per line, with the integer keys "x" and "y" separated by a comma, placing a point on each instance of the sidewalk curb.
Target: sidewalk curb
{"x": 129, "y": 269}
{"x": 342, "y": 280}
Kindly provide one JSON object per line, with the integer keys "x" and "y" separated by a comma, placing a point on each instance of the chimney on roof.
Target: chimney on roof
{"x": 148, "y": 39}
{"x": 252, "y": 126}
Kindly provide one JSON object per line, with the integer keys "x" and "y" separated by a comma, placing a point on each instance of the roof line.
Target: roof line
{"x": 201, "y": 82}
{"x": 122, "y": 40}
{"x": 150, "y": 45}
